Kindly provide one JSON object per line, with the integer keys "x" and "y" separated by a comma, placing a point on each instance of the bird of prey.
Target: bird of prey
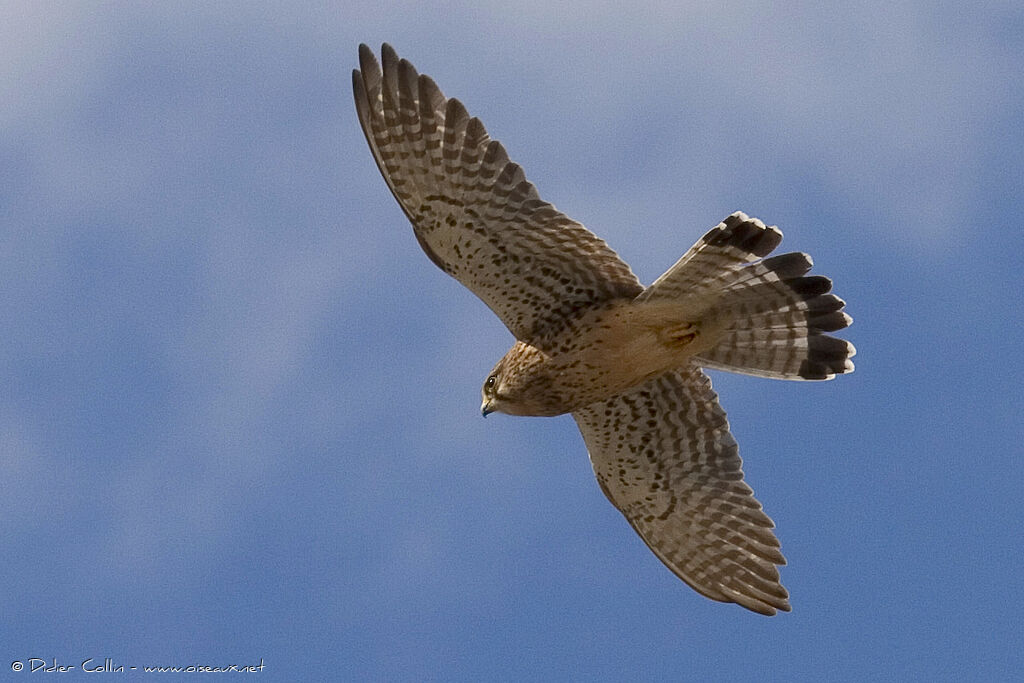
{"x": 625, "y": 360}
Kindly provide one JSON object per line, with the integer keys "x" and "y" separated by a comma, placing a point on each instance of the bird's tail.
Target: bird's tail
{"x": 770, "y": 316}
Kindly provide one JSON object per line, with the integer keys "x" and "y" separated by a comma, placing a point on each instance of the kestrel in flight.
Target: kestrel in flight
{"x": 625, "y": 360}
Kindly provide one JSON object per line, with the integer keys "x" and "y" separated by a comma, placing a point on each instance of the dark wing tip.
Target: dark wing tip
{"x": 476, "y": 133}
{"x": 427, "y": 84}
{"x": 368, "y": 61}
{"x": 408, "y": 75}
{"x": 388, "y": 57}
{"x": 455, "y": 113}
{"x": 362, "y": 101}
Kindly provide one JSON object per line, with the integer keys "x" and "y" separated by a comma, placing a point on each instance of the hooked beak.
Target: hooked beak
{"x": 485, "y": 408}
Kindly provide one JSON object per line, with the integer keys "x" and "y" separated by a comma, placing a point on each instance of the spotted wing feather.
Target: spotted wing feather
{"x": 472, "y": 209}
{"x": 663, "y": 455}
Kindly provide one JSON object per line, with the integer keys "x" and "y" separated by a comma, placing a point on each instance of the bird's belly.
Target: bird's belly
{"x": 612, "y": 358}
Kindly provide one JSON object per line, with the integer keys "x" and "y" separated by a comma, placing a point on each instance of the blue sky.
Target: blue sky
{"x": 239, "y": 407}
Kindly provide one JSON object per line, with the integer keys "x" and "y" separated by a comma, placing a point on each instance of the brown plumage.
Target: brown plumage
{"x": 592, "y": 341}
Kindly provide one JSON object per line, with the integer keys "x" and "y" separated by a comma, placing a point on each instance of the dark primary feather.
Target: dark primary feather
{"x": 472, "y": 209}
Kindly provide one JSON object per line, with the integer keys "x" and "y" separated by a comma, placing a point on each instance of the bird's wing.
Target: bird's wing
{"x": 473, "y": 211}
{"x": 663, "y": 455}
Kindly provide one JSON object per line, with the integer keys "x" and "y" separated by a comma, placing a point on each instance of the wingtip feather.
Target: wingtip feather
{"x": 368, "y": 63}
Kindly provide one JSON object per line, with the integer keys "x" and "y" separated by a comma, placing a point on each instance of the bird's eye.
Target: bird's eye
{"x": 491, "y": 381}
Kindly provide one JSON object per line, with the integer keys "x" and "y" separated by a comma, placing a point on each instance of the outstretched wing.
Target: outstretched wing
{"x": 473, "y": 211}
{"x": 663, "y": 455}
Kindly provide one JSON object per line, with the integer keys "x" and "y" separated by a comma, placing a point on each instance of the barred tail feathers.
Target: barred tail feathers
{"x": 774, "y": 316}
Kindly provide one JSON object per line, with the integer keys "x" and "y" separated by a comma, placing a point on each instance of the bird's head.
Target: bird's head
{"x": 519, "y": 384}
